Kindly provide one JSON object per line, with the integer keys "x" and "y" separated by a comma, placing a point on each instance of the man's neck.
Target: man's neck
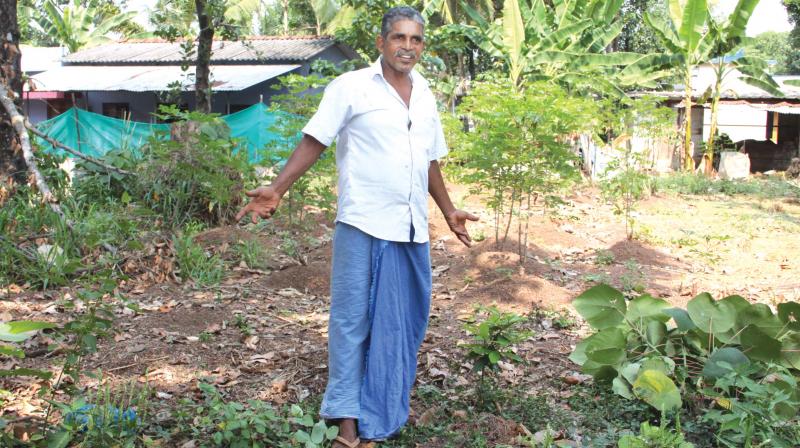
{"x": 396, "y": 78}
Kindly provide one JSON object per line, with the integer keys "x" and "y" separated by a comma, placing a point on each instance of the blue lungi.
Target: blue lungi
{"x": 380, "y": 301}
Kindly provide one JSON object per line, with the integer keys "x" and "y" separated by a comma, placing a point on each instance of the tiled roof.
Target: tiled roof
{"x": 250, "y": 50}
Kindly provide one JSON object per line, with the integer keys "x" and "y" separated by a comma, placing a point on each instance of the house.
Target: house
{"x": 766, "y": 127}
{"x": 131, "y": 79}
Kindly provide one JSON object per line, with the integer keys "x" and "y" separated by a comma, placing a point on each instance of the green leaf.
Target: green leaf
{"x": 630, "y": 371}
{"x": 656, "y": 333}
{"x": 513, "y": 36}
{"x": 331, "y": 432}
{"x": 318, "y": 432}
{"x": 695, "y": 16}
{"x": 760, "y": 315}
{"x": 730, "y": 355}
{"x": 622, "y": 388}
{"x": 602, "y": 306}
{"x": 657, "y": 390}
{"x": 681, "y": 318}
{"x": 663, "y": 364}
{"x": 494, "y": 356}
{"x": 9, "y": 350}
{"x": 709, "y": 316}
{"x": 606, "y": 347}
{"x": 20, "y": 330}
{"x": 578, "y": 356}
{"x": 302, "y": 436}
{"x": 760, "y": 346}
{"x": 43, "y": 374}
{"x": 790, "y": 351}
{"x": 59, "y": 439}
{"x": 789, "y": 313}
{"x": 646, "y": 306}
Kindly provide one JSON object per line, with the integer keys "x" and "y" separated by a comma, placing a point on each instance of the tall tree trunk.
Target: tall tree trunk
{"x": 285, "y": 17}
{"x": 12, "y": 164}
{"x": 688, "y": 161}
{"x": 205, "y": 40}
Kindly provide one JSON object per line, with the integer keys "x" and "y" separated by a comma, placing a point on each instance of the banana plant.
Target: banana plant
{"x": 75, "y": 26}
{"x": 729, "y": 39}
{"x": 564, "y": 41}
{"x": 686, "y": 36}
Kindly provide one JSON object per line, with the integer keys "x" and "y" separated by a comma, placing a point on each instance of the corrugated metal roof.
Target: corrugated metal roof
{"x": 39, "y": 59}
{"x": 150, "y": 78}
{"x": 732, "y": 86}
{"x": 295, "y": 49}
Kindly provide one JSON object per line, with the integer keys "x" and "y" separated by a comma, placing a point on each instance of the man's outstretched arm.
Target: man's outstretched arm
{"x": 456, "y": 219}
{"x": 265, "y": 200}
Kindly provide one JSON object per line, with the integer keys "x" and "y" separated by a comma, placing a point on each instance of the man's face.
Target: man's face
{"x": 402, "y": 47}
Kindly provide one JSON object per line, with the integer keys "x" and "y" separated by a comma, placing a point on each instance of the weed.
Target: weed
{"x": 204, "y": 336}
{"x": 655, "y": 437}
{"x": 604, "y": 257}
{"x": 633, "y": 279}
{"x": 243, "y": 325}
{"x": 252, "y": 253}
{"x": 195, "y": 263}
{"x": 599, "y": 277}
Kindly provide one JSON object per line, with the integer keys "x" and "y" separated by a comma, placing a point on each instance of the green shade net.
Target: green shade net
{"x": 95, "y": 135}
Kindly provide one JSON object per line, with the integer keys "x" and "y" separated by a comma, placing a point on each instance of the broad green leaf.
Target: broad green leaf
{"x": 331, "y": 432}
{"x": 622, "y": 388}
{"x": 578, "y": 356}
{"x": 789, "y": 313}
{"x": 790, "y": 351}
{"x": 666, "y": 33}
{"x": 606, "y": 347}
{"x": 760, "y": 346}
{"x": 513, "y": 36}
{"x": 656, "y": 333}
{"x": 646, "y": 306}
{"x": 24, "y": 326}
{"x": 695, "y": 16}
{"x": 602, "y": 306}
{"x": 600, "y": 373}
{"x": 709, "y": 316}
{"x": 630, "y": 371}
{"x": 318, "y": 432}
{"x": 737, "y": 21}
{"x": 11, "y": 333}
{"x": 657, "y": 390}
{"x": 59, "y": 439}
{"x": 730, "y": 355}
{"x": 681, "y": 318}
{"x": 759, "y": 315}
{"x": 302, "y": 436}
{"x": 663, "y": 364}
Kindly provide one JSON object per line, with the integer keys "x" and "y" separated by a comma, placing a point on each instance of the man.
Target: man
{"x": 389, "y": 140}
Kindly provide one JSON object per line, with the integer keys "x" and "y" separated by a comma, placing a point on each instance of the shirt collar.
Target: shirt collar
{"x": 376, "y": 69}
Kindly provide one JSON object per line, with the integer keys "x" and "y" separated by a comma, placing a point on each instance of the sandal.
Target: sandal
{"x": 345, "y": 442}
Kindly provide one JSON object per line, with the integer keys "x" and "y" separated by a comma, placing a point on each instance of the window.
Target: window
{"x": 117, "y": 110}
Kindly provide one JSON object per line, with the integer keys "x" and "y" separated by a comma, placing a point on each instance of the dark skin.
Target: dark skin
{"x": 400, "y": 50}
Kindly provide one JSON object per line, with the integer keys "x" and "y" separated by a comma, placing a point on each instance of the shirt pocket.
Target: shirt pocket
{"x": 424, "y": 130}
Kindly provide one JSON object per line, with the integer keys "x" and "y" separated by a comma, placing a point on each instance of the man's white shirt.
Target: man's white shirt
{"x": 383, "y": 151}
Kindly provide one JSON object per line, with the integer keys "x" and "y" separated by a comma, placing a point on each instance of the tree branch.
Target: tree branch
{"x": 74, "y": 152}
{"x": 18, "y": 122}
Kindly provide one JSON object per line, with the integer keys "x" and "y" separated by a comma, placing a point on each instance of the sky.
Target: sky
{"x": 770, "y": 15}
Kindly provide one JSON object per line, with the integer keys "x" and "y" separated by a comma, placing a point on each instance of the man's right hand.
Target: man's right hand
{"x": 263, "y": 204}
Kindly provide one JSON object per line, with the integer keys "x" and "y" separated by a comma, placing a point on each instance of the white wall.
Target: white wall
{"x": 739, "y": 121}
{"x": 35, "y": 110}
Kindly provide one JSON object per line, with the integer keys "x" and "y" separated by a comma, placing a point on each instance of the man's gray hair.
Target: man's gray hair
{"x": 400, "y": 13}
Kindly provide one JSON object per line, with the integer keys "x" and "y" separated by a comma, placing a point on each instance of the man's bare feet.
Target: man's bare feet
{"x": 347, "y": 431}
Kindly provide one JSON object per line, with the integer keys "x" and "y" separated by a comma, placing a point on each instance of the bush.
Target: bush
{"x": 518, "y": 152}
{"x": 635, "y": 351}
{"x": 194, "y": 263}
{"x": 198, "y": 174}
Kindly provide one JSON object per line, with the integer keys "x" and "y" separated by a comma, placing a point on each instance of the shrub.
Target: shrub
{"x": 199, "y": 173}
{"x": 635, "y": 351}
{"x": 194, "y": 263}
{"x": 518, "y": 152}
{"x": 655, "y": 437}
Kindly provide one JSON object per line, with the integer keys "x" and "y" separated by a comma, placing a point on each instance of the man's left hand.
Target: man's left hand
{"x": 457, "y": 220}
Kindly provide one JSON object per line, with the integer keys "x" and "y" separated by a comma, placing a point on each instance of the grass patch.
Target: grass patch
{"x": 763, "y": 187}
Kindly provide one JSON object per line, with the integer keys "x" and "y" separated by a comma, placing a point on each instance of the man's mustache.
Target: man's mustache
{"x": 400, "y": 53}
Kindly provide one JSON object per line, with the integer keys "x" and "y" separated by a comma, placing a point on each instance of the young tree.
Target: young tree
{"x": 76, "y": 26}
{"x": 12, "y": 164}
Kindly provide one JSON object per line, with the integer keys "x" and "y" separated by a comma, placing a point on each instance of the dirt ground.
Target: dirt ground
{"x": 261, "y": 333}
